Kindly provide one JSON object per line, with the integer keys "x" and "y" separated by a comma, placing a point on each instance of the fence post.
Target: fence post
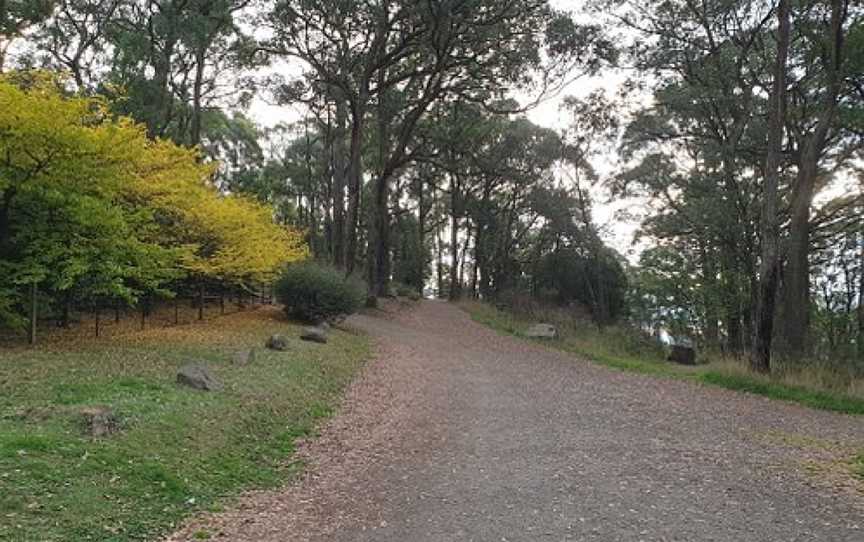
{"x": 96, "y": 311}
{"x": 176, "y": 311}
{"x": 33, "y": 314}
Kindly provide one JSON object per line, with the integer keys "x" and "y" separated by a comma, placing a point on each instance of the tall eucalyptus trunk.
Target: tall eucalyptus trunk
{"x": 355, "y": 181}
{"x": 760, "y": 356}
{"x": 796, "y": 276}
{"x": 339, "y": 173}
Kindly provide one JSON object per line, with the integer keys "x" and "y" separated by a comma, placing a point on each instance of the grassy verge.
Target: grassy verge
{"x": 620, "y": 350}
{"x": 179, "y": 450}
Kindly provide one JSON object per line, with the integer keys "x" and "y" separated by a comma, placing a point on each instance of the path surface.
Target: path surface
{"x": 457, "y": 433}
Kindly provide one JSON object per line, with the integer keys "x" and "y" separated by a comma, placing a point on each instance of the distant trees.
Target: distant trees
{"x": 411, "y": 159}
{"x": 380, "y": 67}
{"x": 753, "y": 116}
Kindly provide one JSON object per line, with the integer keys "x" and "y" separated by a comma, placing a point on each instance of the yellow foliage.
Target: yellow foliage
{"x": 54, "y": 143}
{"x": 249, "y": 245}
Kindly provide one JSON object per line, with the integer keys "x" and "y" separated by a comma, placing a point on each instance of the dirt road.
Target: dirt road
{"x": 457, "y": 433}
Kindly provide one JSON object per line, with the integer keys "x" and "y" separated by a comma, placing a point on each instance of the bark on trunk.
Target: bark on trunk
{"x": 439, "y": 267}
{"x": 861, "y": 302}
{"x": 379, "y": 267}
{"x": 380, "y": 253}
{"x": 421, "y": 228}
{"x": 796, "y": 276}
{"x": 355, "y": 182}
{"x": 339, "y": 172}
{"x": 454, "y": 240}
{"x": 709, "y": 277}
{"x": 34, "y": 316}
{"x": 195, "y": 132}
{"x": 6, "y": 222}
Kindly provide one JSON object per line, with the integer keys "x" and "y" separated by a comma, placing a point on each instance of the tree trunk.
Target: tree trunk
{"x": 731, "y": 302}
{"x": 6, "y": 222}
{"x": 454, "y": 246}
{"x": 380, "y": 240}
{"x": 861, "y": 302}
{"x": 796, "y": 276}
{"x": 339, "y": 172}
{"x": 464, "y": 257}
{"x": 66, "y": 313}
{"x": 769, "y": 269}
{"x": 421, "y": 227}
{"x": 380, "y": 234}
{"x": 195, "y": 132}
{"x": 475, "y": 268}
{"x": 201, "y": 303}
{"x": 439, "y": 267}
{"x": 34, "y": 316}
{"x": 711, "y": 333}
{"x": 355, "y": 184}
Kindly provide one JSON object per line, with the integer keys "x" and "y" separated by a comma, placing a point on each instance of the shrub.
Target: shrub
{"x": 313, "y": 292}
{"x": 405, "y": 290}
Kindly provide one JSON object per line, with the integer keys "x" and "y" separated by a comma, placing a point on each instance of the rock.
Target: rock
{"x": 542, "y": 331}
{"x": 277, "y": 342}
{"x": 324, "y": 325}
{"x": 315, "y": 335}
{"x": 243, "y": 357}
{"x": 100, "y": 421}
{"x": 199, "y": 377}
{"x": 683, "y": 355}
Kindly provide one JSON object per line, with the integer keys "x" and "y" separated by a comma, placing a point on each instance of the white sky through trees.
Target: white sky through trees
{"x": 616, "y": 229}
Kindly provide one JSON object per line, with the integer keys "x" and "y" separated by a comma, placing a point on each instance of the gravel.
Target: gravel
{"x": 454, "y": 432}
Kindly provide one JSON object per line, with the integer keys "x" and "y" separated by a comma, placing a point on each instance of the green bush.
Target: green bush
{"x": 404, "y": 290}
{"x": 313, "y": 292}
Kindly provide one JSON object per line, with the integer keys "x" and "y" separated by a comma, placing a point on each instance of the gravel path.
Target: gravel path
{"x": 457, "y": 433}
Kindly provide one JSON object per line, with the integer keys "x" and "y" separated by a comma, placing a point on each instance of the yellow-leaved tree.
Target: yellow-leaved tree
{"x": 91, "y": 209}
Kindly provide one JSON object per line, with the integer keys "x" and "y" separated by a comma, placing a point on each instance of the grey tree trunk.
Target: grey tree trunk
{"x": 796, "y": 276}
{"x": 454, "y": 239}
{"x": 861, "y": 301}
{"x": 760, "y": 357}
{"x": 34, "y": 316}
{"x": 379, "y": 267}
{"x": 355, "y": 184}
{"x": 339, "y": 172}
{"x": 197, "y": 88}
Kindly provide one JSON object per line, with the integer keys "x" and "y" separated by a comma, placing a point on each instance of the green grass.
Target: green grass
{"x": 858, "y": 466}
{"x": 179, "y": 450}
{"x": 620, "y": 350}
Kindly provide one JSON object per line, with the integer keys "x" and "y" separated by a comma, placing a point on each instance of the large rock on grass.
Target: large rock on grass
{"x": 683, "y": 355}
{"x": 277, "y": 342}
{"x": 315, "y": 335}
{"x": 542, "y": 331}
{"x": 199, "y": 377}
